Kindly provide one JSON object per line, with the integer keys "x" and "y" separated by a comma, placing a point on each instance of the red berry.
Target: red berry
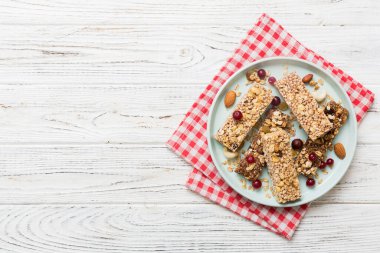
{"x": 276, "y": 101}
{"x": 261, "y": 73}
{"x": 256, "y": 184}
{"x": 250, "y": 159}
{"x": 310, "y": 182}
{"x": 297, "y": 144}
{"x": 322, "y": 165}
{"x": 312, "y": 156}
{"x": 330, "y": 161}
{"x": 237, "y": 115}
{"x": 271, "y": 80}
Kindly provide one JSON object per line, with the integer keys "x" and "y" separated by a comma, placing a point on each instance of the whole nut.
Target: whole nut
{"x": 319, "y": 95}
{"x": 248, "y": 74}
{"x": 230, "y": 155}
{"x": 340, "y": 151}
{"x": 307, "y": 78}
{"x": 230, "y": 98}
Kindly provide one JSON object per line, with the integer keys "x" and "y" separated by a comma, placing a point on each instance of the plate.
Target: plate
{"x": 276, "y": 67}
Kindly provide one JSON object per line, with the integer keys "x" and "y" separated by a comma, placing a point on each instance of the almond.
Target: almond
{"x": 230, "y": 98}
{"x": 340, "y": 151}
{"x": 307, "y": 78}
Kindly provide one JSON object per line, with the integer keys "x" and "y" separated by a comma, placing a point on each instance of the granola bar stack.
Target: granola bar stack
{"x": 337, "y": 115}
{"x": 274, "y": 119}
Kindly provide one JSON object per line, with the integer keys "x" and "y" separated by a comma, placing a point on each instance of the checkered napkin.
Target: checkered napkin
{"x": 267, "y": 38}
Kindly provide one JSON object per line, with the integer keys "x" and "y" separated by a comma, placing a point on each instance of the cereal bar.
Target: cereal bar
{"x": 338, "y": 116}
{"x": 304, "y": 106}
{"x": 252, "y": 106}
{"x": 274, "y": 119}
{"x": 278, "y": 155}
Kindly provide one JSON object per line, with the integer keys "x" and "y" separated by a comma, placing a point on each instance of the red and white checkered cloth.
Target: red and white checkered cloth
{"x": 267, "y": 38}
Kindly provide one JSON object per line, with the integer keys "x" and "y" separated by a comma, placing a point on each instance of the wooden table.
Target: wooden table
{"x": 91, "y": 90}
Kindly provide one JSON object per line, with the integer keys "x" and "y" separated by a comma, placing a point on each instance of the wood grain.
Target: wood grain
{"x": 179, "y": 228}
{"x": 136, "y": 174}
{"x": 193, "y": 12}
{"x": 104, "y": 114}
{"x": 142, "y": 55}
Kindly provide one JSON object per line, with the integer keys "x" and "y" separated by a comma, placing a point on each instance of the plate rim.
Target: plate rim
{"x": 287, "y": 58}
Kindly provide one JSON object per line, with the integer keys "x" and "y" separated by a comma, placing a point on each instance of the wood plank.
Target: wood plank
{"x": 136, "y": 174}
{"x": 349, "y": 12}
{"x": 137, "y": 114}
{"x": 179, "y": 228}
{"x": 176, "y": 54}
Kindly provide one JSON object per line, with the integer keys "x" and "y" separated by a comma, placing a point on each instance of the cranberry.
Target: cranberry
{"x": 261, "y": 73}
{"x": 256, "y": 184}
{"x": 276, "y": 101}
{"x": 322, "y": 165}
{"x": 312, "y": 156}
{"x": 237, "y": 115}
{"x": 310, "y": 182}
{"x": 297, "y": 144}
{"x": 330, "y": 161}
{"x": 271, "y": 80}
{"x": 250, "y": 159}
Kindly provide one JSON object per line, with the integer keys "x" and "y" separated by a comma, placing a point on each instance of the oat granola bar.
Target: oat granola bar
{"x": 278, "y": 155}
{"x": 338, "y": 116}
{"x": 274, "y": 119}
{"x": 304, "y": 106}
{"x": 252, "y": 106}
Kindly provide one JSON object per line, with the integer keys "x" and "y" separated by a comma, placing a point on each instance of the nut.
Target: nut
{"x": 230, "y": 98}
{"x": 265, "y": 129}
{"x": 307, "y": 78}
{"x": 340, "y": 151}
{"x": 230, "y": 155}
{"x": 319, "y": 95}
{"x": 249, "y": 75}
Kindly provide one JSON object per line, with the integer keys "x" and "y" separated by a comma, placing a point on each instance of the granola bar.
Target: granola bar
{"x": 252, "y": 106}
{"x": 338, "y": 116}
{"x": 274, "y": 119}
{"x": 304, "y": 106}
{"x": 278, "y": 155}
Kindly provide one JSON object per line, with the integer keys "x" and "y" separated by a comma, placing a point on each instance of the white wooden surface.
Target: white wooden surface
{"x": 91, "y": 90}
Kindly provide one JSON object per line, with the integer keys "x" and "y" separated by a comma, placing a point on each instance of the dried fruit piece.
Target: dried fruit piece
{"x": 340, "y": 150}
{"x": 297, "y": 144}
{"x": 261, "y": 73}
{"x": 310, "y": 182}
{"x": 307, "y": 78}
{"x": 276, "y": 101}
{"x": 250, "y": 159}
{"x": 256, "y": 184}
{"x": 322, "y": 165}
{"x": 230, "y": 98}
{"x": 237, "y": 115}
{"x": 271, "y": 80}
{"x": 330, "y": 162}
{"x": 312, "y": 156}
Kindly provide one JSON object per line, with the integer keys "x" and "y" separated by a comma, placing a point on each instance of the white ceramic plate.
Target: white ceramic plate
{"x": 277, "y": 66}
